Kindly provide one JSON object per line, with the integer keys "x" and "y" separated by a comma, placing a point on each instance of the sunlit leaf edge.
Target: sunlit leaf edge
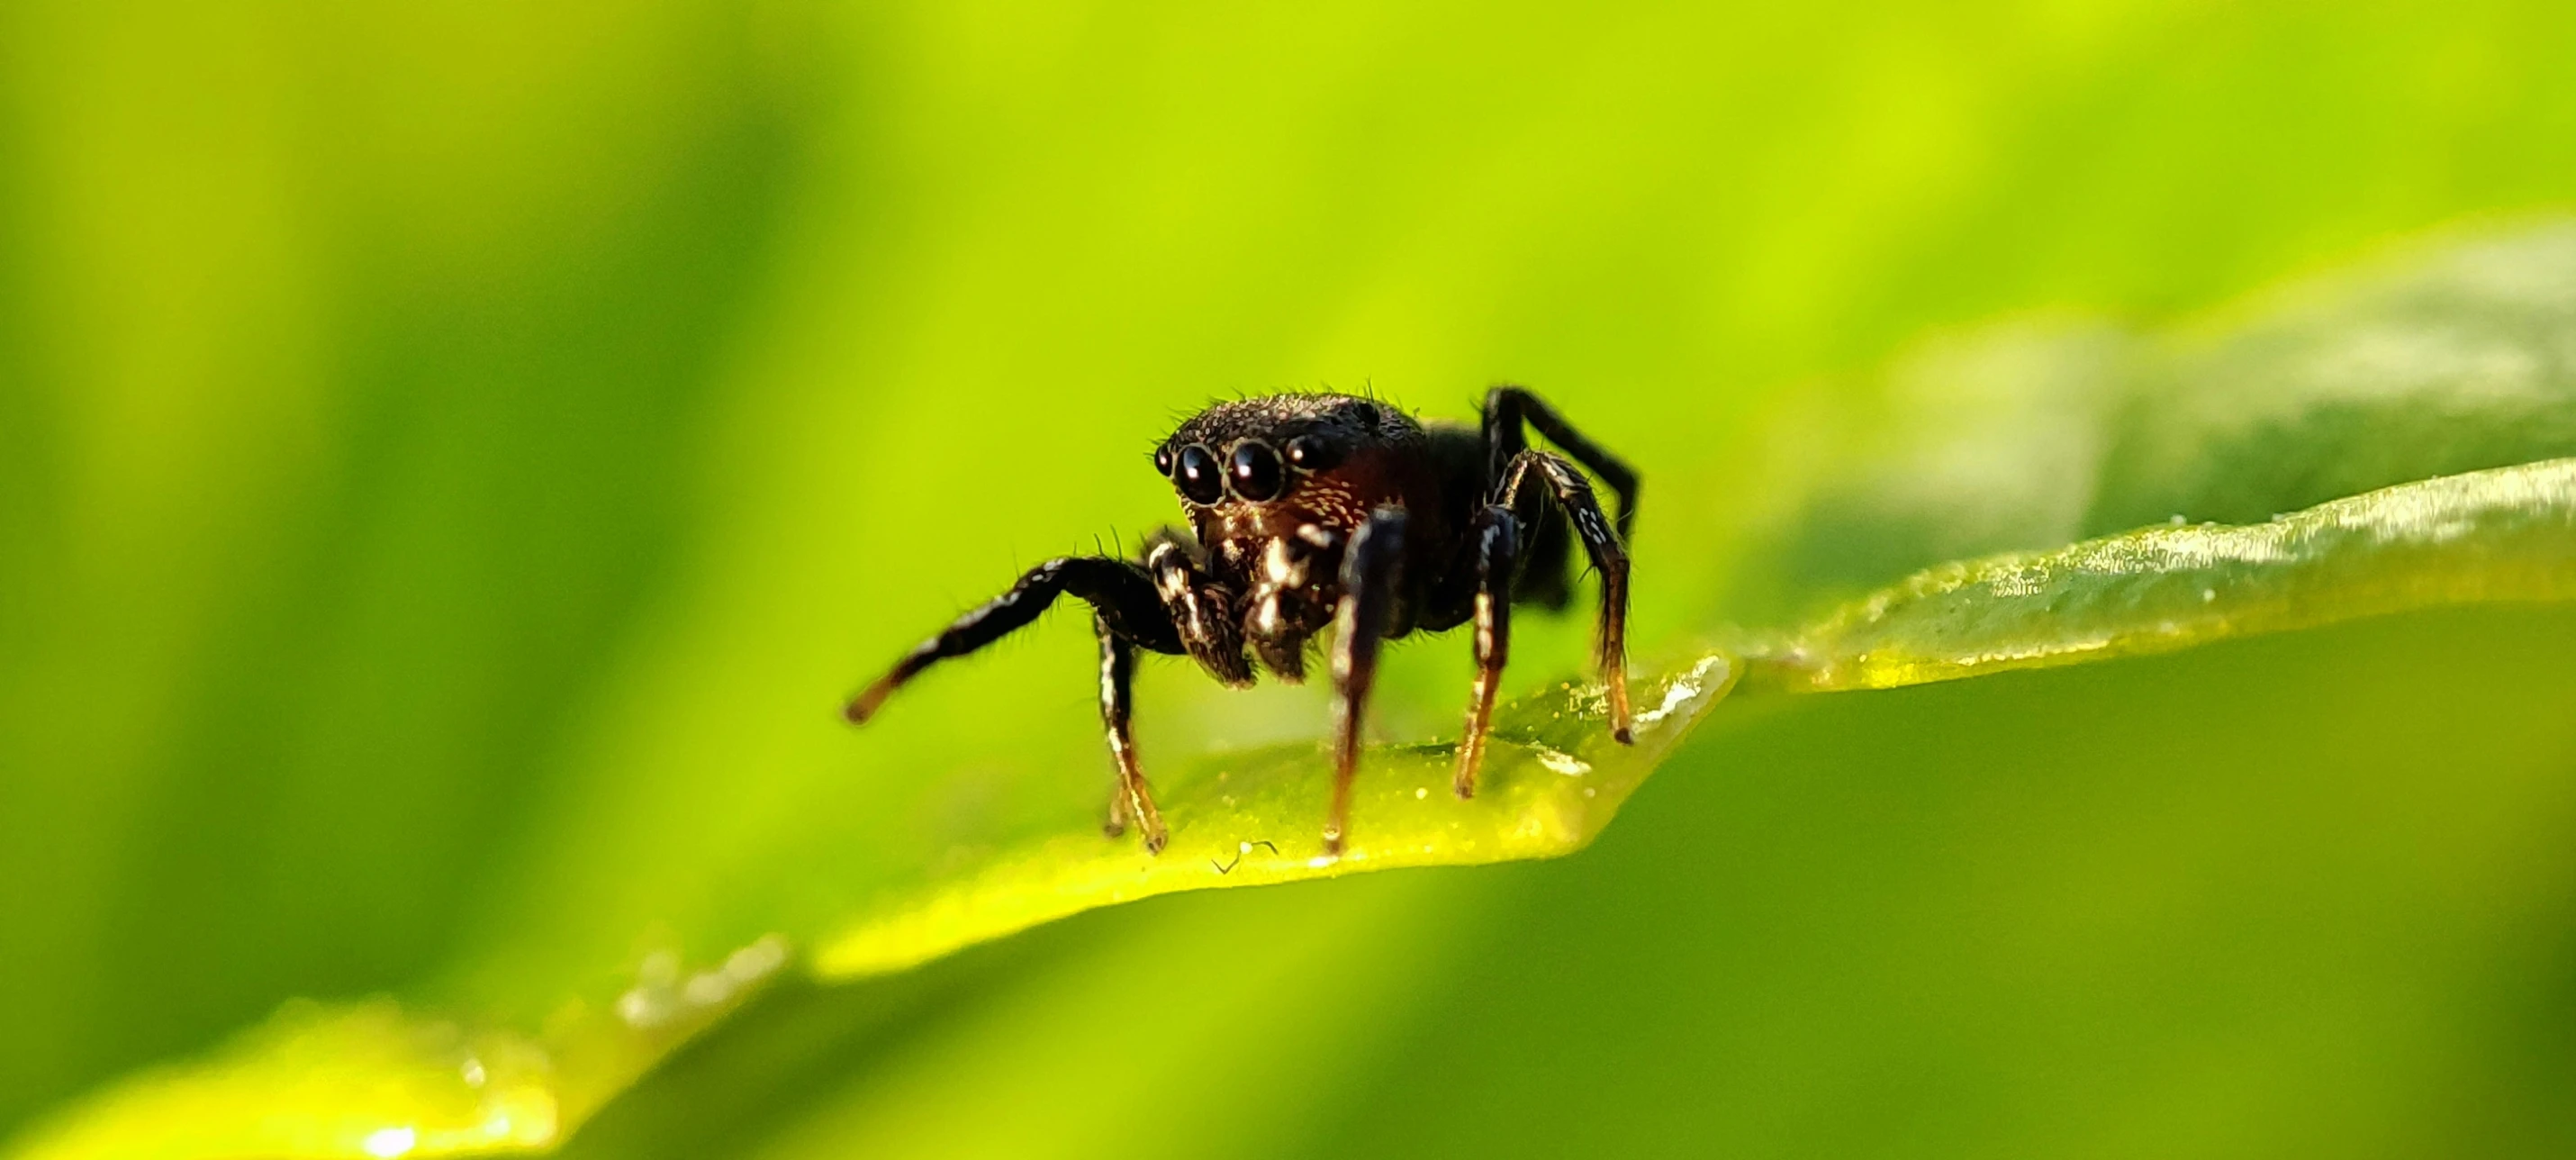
{"x": 2507, "y": 534}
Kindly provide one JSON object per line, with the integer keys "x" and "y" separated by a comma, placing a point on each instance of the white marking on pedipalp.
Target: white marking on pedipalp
{"x": 1281, "y": 568}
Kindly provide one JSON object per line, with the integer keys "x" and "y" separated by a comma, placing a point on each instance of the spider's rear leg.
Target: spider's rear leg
{"x": 1545, "y": 572}
{"x": 1508, "y": 407}
{"x": 1574, "y": 494}
{"x": 1495, "y": 537}
{"x": 1371, "y": 569}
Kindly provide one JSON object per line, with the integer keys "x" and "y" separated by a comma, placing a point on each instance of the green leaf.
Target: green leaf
{"x": 2506, "y": 535}
{"x": 2446, "y": 355}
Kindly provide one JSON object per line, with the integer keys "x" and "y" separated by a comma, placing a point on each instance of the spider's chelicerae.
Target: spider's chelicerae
{"x": 1309, "y": 510}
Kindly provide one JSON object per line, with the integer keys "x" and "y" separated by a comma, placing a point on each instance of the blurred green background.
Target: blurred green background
{"x": 453, "y": 457}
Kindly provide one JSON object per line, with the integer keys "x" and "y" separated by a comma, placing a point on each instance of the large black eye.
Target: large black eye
{"x": 1313, "y": 453}
{"x": 1196, "y": 475}
{"x": 1256, "y": 471}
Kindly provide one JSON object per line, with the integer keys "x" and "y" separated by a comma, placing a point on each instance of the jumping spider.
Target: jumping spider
{"x": 1314, "y": 509}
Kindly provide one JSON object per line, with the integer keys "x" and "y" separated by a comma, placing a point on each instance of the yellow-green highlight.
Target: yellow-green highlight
{"x": 2507, "y": 534}
{"x": 376, "y": 1080}
{"x": 362, "y": 1080}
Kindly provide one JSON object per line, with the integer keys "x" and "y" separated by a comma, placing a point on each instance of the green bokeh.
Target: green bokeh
{"x": 452, "y": 458}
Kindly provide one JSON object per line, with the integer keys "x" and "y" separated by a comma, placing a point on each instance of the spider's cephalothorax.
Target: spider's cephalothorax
{"x": 1313, "y": 510}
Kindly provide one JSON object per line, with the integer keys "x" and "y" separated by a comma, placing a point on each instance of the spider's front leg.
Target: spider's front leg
{"x": 1573, "y": 493}
{"x": 1495, "y": 539}
{"x": 1126, "y": 614}
{"x": 1372, "y": 567}
{"x": 1117, "y": 687}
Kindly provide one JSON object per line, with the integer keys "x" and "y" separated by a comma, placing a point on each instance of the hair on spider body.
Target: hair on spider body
{"x": 1309, "y": 511}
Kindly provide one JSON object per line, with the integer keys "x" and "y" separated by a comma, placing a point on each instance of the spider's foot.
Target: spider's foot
{"x": 861, "y": 707}
{"x": 1471, "y": 759}
{"x": 1621, "y": 719}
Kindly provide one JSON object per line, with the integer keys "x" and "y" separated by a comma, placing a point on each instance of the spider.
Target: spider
{"x": 1308, "y": 510}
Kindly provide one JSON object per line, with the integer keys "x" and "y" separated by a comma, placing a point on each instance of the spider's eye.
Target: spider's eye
{"x": 1313, "y": 453}
{"x": 1196, "y": 475}
{"x": 1163, "y": 460}
{"x": 1256, "y": 471}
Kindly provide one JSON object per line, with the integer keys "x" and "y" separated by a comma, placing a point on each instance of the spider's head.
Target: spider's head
{"x": 1263, "y": 466}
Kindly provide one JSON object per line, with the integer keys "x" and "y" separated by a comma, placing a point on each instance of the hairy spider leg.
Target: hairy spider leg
{"x": 1496, "y": 539}
{"x": 1198, "y": 609}
{"x": 1371, "y": 568}
{"x": 1574, "y": 494}
{"x": 1117, "y": 682}
{"x": 1126, "y": 615}
{"x": 1507, "y": 407}
{"x": 1117, "y": 590}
